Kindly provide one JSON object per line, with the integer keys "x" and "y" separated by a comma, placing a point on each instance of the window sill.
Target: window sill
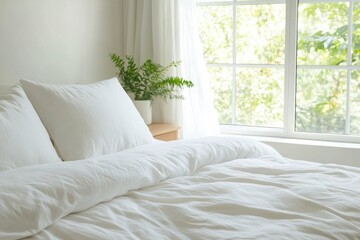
{"x": 312, "y": 150}
{"x": 301, "y": 141}
{"x": 321, "y": 139}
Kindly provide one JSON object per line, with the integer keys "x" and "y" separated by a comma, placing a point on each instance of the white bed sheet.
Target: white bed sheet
{"x": 213, "y": 188}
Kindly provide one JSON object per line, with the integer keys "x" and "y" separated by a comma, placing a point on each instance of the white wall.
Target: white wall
{"x": 58, "y": 40}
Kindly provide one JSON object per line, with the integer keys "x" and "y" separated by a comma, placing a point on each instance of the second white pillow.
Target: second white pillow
{"x": 88, "y": 120}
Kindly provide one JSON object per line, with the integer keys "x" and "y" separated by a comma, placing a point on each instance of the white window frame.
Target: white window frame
{"x": 290, "y": 67}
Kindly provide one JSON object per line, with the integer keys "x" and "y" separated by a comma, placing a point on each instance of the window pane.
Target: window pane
{"x": 260, "y": 97}
{"x": 221, "y": 85}
{"x": 321, "y": 101}
{"x": 215, "y": 27}
{"x": 323, "y": 33}
{"x": 355, "y": 103}
{"x": 356, "y": 35}
{"x": 260, "y": 36}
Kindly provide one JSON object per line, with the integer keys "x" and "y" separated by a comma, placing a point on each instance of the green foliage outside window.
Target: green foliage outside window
{"x": 260, "y": 39}
{"x": 321, "y": 95}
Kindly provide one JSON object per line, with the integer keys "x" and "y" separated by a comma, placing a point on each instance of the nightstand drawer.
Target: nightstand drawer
{"x": 164, "y": 132}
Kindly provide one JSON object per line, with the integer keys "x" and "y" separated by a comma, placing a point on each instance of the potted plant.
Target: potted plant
{"x": 148, "y": 81}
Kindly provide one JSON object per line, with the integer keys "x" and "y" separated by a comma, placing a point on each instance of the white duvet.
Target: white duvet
{"x": 213, "y": 188}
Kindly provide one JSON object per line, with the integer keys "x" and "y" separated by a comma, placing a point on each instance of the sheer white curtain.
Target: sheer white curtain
{"x": 165, "y": 31}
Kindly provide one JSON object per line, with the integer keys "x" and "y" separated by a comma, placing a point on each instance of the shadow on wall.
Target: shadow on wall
{"x": 4, "y": 88}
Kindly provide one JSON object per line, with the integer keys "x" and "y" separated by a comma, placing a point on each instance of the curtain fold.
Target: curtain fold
{"x": 165, "y": 31}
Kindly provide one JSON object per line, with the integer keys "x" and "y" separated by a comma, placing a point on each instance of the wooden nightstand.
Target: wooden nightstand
{"x": 164, "y": 131}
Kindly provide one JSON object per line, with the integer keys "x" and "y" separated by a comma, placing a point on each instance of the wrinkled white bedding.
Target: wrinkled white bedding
{"x": 213, "y": 188}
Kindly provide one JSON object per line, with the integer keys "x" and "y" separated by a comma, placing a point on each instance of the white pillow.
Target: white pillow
{"x": 88, "y": 120}
{"x": 23, "y": 138}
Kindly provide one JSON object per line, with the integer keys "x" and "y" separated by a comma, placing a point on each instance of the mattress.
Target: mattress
{"x": 209, "y": 188}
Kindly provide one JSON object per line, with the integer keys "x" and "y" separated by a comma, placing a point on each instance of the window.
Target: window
{"x": 284, "y": 68}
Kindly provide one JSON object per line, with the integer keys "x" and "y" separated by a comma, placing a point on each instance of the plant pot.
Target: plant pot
{"x": 144, "y": 108}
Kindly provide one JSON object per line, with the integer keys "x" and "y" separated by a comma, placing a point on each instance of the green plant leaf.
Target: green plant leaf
{"x": 149, "y": 80}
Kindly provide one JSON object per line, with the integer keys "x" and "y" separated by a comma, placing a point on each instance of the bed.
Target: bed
{"x": 207, "y": 188}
